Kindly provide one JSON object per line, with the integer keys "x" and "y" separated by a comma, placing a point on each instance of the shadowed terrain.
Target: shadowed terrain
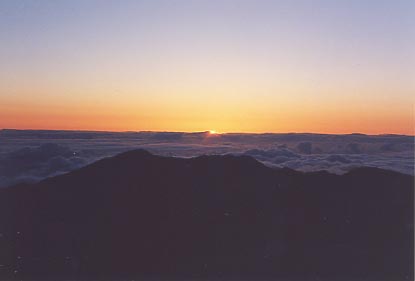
{"x": 142, "y": 216}
{"x": 28, "y": 156}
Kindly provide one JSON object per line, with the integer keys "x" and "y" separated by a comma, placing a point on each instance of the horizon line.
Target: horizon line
{"x": 204, "y": 131}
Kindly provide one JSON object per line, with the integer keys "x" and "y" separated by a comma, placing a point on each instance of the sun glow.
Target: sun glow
{"x": 190, "y": 74}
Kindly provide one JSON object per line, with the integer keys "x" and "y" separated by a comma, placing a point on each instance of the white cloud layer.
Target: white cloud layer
{"x": 28, "y": 156}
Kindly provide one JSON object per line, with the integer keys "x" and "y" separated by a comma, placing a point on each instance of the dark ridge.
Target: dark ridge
{"x": 148, "y": 217}
{"x": 136, "y": 153}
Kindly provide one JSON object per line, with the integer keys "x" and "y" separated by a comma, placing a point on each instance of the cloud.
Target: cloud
{"x": 338, "y": 158}
{"x": 335, "y": 163}
{"x": 27, "y": 156}
{"x": 353, "y": 148}
{"x": 166, "y": 136}
{"x": 30, "y": 164}
{"x": 305, "y": 147}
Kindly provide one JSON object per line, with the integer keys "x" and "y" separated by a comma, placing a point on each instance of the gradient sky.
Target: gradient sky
{"x": 232, "y": 66}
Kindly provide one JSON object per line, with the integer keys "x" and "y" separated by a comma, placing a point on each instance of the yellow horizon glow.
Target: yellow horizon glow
{"x": 233, "y": 120}
{"x": 236, "y": 104}
{"x": 229, "y": 109}
{"x": 237, "y": 66}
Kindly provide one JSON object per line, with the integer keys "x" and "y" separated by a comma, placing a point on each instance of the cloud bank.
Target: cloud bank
{"x": 29, "y": 156}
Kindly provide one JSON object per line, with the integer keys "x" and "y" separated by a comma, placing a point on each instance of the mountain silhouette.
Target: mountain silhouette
{"x": 148, "y": 217}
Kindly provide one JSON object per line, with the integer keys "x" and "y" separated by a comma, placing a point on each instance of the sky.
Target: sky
{"x": 318, "y": 66}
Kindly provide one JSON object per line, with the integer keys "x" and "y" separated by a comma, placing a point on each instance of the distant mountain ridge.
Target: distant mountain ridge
{"x": 142, "y": 216}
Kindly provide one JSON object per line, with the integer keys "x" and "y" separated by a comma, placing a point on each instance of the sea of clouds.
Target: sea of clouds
{"x": 29, "y": 156}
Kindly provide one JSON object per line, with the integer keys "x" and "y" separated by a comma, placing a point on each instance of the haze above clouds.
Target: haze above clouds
{"x": 29, "y": 156}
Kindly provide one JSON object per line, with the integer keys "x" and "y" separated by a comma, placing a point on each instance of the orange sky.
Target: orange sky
{"x": 166, "y": 116}
{"x": 229, "y": 66}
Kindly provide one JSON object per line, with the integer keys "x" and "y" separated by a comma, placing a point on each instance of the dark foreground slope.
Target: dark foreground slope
{"x": 141, "y": 216}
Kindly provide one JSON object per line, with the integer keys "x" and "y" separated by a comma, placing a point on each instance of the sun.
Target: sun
{"x": 213, "y": 132}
